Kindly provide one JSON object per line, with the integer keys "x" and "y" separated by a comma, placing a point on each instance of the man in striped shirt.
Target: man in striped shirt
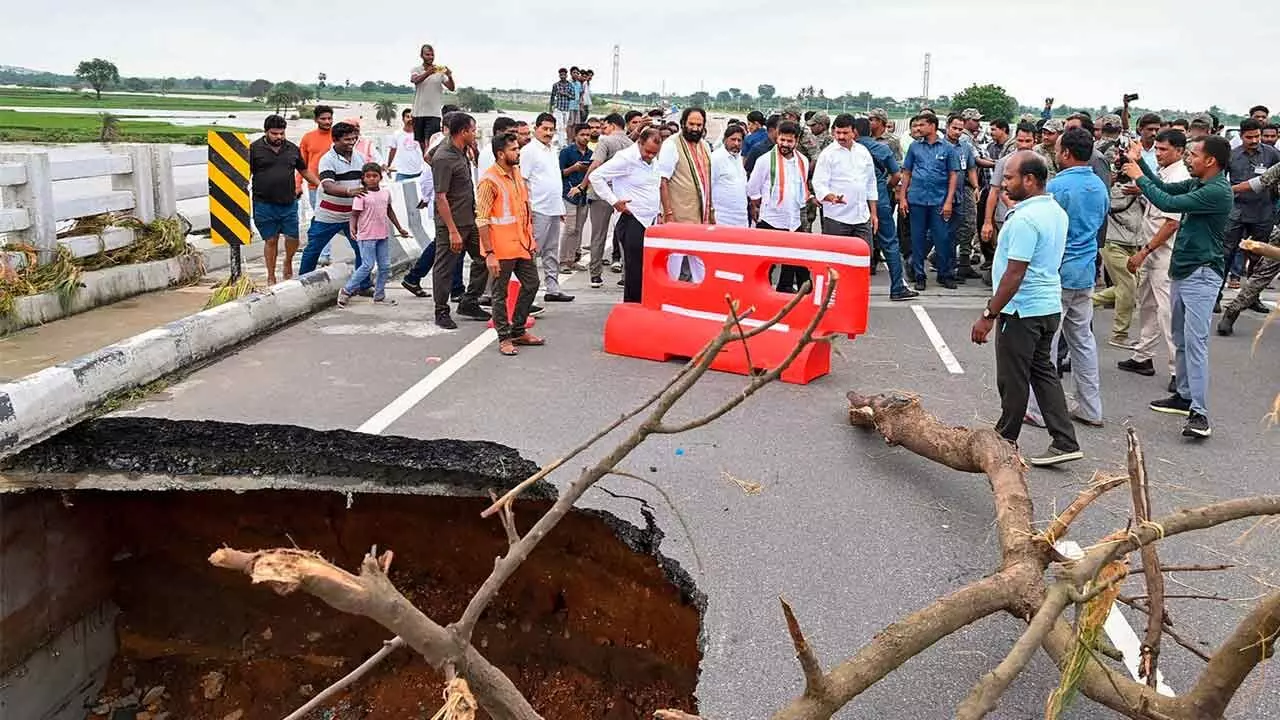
{"x": 340, "y": 173}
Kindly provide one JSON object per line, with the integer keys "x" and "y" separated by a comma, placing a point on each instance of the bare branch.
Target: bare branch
{"x": 1168, "y": 628}
{"x": 1250, "y": 643}
{"x": 737, "y": 323}
{"x": 508, "y": 514}
{"x": 673, "y": 715}
{"x": 1184, "y": 568}
{"x": 1058, "y": 528}
{"x": 349, "y": 679}
{"x": 372, "y": 595}
{"x": 984, "y": 696}
{"x": 1149, "y": 653}
{"x": 814, "y": 681}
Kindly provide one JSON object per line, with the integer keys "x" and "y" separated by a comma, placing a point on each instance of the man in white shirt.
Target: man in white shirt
{"x": 540, "y": 164}
{"x": 729, "y": 179}
{"x": 599, "y": 214}
{"x": 778, "y": 191}
{"x": 630, "y": 183}
{"x": 1151, "y": 264}
{"x": 404, "y": 147}
{"x": 844, "y": 180}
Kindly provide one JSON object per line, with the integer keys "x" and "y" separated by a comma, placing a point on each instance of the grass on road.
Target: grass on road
{"x": 35, "y": 97}
{"x": 52, "y": 127}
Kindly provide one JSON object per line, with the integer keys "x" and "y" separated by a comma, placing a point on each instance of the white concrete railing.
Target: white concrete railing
{"x": 143, "y": 180}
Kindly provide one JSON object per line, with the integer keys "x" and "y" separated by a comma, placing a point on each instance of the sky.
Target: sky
{"x": 684, "y": 47}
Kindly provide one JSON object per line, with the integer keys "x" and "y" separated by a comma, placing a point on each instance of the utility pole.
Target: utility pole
{"x": 925, "y": 91}
{"x": 615, "y": 69}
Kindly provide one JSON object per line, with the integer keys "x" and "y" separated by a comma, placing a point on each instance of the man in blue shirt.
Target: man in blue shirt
{"x": 1085, "y": 199}
{"x": 888, "y": 175}
{"x": 930, "y": 173}
{"x": 1027, "y": 306}
{"x": 575, "y": 158}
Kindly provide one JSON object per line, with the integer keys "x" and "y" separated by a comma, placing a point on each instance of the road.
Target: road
{"x": 855, "y": 534}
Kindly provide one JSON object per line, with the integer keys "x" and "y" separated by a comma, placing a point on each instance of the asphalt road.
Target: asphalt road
{"x": 855, "y": 534}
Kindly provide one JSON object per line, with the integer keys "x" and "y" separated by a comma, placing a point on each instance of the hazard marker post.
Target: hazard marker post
{"x": 229, "y": 213}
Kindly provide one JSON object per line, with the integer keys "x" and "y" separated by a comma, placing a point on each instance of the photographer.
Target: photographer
{"x": 1197, "y": 267}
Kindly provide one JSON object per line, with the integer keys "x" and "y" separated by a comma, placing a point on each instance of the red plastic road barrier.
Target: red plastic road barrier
{"x": 513, "y": 290}
{"x": 676, "y": 319}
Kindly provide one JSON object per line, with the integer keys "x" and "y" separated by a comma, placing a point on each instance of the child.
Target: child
{"x": 369, "y": 215}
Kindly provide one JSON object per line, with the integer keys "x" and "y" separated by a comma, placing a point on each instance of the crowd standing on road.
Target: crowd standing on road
{"x": 1057, "y": 216}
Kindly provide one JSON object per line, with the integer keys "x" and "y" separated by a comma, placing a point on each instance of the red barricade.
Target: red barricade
{"x": 513, "y": 290}
{"x": 676, "y": 319}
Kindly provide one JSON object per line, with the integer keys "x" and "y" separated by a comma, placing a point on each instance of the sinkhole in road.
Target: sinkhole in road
{"x": 596, "y": 624}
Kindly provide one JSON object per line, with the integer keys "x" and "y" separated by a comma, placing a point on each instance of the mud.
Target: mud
{"x": 594, "y": 625}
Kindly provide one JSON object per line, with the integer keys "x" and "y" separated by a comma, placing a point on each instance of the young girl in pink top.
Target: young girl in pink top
{"x": 371, "y": 217}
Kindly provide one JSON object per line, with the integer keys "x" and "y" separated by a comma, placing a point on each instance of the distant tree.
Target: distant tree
{"x": 991, "y": 100}
{"x": 386, "y": 111}
{"x": 700, "y": 98}
{"x": 257, "y": 88}
{"x": 320, "y": 83}
{"x": 206, "y": 84}
{"x": 168, "y": 83}
{"x": 368, "y": 86}
{"x": 471, "y": 99}
{"x": 98, "y": 73}
{"x": 134, "y": 84}
{"x": 766, "y": 92}
{"x": 735, "y": 94}
{"x": 286, "y": 94}
{"x": 724, "y": 96}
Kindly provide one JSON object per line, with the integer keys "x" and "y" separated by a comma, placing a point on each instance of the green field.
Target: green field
{"x": 34, "y": 97}
{"x": 55, "y": 127}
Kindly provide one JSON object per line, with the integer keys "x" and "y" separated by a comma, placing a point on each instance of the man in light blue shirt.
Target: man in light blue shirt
{"x": 1026, "y": 308}
{"x": 1085, "y": 199}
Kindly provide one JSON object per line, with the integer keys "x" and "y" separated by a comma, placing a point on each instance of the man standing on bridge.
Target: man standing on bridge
{"x": 341, "y": 170}
{"x": 429, "y": 83}
{"x": 456, "y": 232}
{"x": 1026, "y": 308}
{"x": 272, "y": 162}
{"x": 630, "y": 182}
{"x": 505, "y": 223}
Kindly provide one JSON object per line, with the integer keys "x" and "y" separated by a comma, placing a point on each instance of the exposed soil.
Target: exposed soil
{"x": 594, "y": 625}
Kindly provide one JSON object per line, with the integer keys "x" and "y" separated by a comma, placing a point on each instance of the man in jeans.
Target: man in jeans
{"x": 1197, "y": 267}
{"x": 340, "y": 172}
{"x": 888, "y": 175}
{"x": 930, "y": 183}
{"x": 575, "y": 158}
{"x": 1026, "y": 308}
{"x": 1084, "y": 198}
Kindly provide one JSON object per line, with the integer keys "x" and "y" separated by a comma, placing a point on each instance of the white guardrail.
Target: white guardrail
{"x": 145, "y": 180}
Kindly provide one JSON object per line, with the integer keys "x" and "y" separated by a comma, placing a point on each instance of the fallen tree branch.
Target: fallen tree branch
{"x": 347, "y": 680}
{"x": 1168, "y": 628}
{"x": 814, "y": 681}
{"x": 1058, "y": 527}
{"x": 1252, "y": 642}
{"x": 1149, "y": 653}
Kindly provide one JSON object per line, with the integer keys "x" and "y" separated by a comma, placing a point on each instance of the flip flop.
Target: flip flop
{"x": 528, "y": 340}
{"x": 508, "y": 348}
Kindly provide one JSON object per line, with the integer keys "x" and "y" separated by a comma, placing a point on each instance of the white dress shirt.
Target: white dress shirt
{"x": 849, "y": 172}
{"x": 728, "y": 188}
{"x": 626, "y": 177}
{"x": 763, "y": 186}
{"x": 540, "y": 165}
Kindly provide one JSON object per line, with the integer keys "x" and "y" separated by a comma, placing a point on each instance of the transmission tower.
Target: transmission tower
{"x": 615, "y": 69}
{"x": 925, "y": 91}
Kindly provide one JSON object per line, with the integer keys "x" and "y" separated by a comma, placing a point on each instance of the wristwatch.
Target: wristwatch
{"x": 987, "y": 314}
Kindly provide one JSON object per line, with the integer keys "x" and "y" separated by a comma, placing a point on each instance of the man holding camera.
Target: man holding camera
{"x": 1196, "y": 268}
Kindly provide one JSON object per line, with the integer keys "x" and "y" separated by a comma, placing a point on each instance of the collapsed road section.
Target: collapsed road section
{"x": 108, "y": 607}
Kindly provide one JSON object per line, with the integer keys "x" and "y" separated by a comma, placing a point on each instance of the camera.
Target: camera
{"x": 1130, "y": 97}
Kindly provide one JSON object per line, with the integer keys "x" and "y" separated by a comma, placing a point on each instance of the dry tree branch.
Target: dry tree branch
{"x": 347, "y": 680}
{"x": 372, "y": 595}
{"x": 814, "y": 680}
{"x": 1058, "y": 527}
{"x": 1184, "y": 568}
{"x": 1149, "y": 653}
{"x": 508, "y": 515}
{"x": 1168, "y": 628}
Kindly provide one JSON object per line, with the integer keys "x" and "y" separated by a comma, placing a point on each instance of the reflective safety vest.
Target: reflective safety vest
{"x": 510, "y": 225}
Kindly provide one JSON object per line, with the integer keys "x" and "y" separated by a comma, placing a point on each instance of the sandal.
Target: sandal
{"x": 528, "y": 340}
{"x": 508, "y": 348}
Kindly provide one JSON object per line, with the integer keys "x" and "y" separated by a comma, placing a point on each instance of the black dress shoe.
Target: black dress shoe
{"x": 920, "y": 284}
{"x": 445, "y": 321}
{"x": 948, "y": 284}
{"x": 1259, "y": 307}
{"x": 557, "y": 297}
{"x": 474, "y": 312}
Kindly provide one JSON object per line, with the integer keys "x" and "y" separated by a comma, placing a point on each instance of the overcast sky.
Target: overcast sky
{"x": 1176, "y": 54}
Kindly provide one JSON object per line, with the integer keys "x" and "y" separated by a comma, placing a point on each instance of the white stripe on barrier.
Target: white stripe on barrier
{"x": 781, "y": 253}
{"x": 719, "y": 317}
{"x": 726, "y": 275}
{"x": 818, "y": 280}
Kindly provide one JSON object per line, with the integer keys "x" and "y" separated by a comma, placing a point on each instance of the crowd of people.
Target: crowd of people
{"x": 1058, "y": 216}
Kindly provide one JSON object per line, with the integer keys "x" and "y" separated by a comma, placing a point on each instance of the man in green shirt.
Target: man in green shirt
{"x": 1196, "y": 269}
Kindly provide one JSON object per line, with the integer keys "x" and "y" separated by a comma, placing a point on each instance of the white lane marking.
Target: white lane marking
{"x": 732, "y": 276}
{"x": 781, "y": 253}
{"x": 424, "y": 387}
{"x": 1117, "y": 628}
{"x": 719, "y": 317}
{"x": 935, "y": 337}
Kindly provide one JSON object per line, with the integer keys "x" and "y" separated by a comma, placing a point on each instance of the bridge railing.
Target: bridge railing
{"x": 41, "y": 188}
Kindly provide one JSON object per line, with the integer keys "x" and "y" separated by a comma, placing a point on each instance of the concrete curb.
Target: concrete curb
{"x": 47, "y": 402}
{"x": 102, "y": 287}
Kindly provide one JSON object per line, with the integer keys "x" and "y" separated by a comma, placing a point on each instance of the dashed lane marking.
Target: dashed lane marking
{"x": 935, "y": 337}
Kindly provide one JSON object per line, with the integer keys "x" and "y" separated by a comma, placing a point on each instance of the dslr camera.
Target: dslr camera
{"x": 1130, "y": 97}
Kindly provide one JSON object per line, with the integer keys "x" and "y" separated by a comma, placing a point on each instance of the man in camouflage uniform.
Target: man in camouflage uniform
{"x": 1047, "y": 149}
{"x": 806, "y": 145}
{"x": 1266, "y": 269}
{"x": 1109, "y": 146}
{"x": 880, "y": 132}
{"x": 820, "y": 126}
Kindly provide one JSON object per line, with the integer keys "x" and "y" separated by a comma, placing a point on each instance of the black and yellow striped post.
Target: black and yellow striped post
{"x": 229, "y": 193}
